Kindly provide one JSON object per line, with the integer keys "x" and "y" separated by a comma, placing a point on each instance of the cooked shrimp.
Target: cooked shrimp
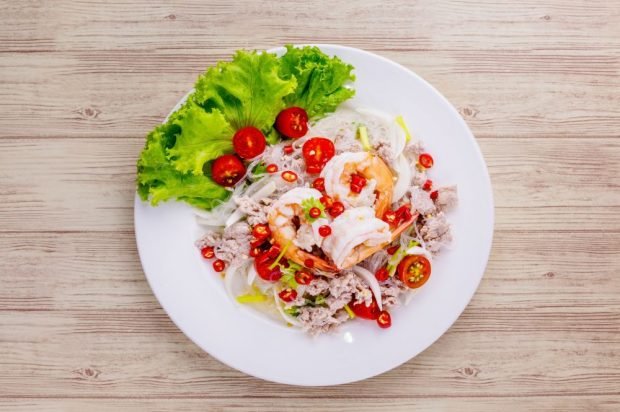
{"x": 357, "y": 234}
{"x": 379, "y": 180}
{"x": 295, "y": 239}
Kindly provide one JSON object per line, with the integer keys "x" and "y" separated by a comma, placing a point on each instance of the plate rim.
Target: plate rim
{"x": 486, "y": 253}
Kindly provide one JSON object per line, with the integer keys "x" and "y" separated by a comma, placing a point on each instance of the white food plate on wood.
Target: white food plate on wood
{"x": 194, "y": 297}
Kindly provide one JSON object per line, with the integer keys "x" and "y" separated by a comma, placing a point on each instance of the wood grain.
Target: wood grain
{"x": 82, "y": 82}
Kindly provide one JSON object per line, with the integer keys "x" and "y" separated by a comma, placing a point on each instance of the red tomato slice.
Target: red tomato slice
{"x": 292, "y": 122}
{"x": 370, "y": 312}
{"x": 317, "y": 152}
{"x": 249, "y": 142}
{"x": 227, "y": 170}
{"x": 414, "y": 271}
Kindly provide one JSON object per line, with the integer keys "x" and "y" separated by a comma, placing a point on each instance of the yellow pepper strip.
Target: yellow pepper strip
{"x": 251, "y": 298}
{"x": 349, "y": 311}
{"x": 401, "y": 123}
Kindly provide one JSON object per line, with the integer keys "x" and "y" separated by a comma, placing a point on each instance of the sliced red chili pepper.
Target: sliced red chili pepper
{"x": 384, "y": 320}
{"x": 271, "y": 168}
{"x": 390, "y": 217}
{"x": 370, "y": 312}
{"x": 357, "y": 183}
{"x": 273, "y": 251}
{"x": 261, "y": 231}
{"x": 325, "y": 230}
{"x": 207, "y": 252}
{"x": 434, "y": 195}
{"x": 288, "y": 149}
{"x": 255, "y": 251}
{"x": 288, "y": 294}
{"x": 314, "y": 212}
{"x": 336, "y": 209}
{"x": 382, "y": 274}
{"x": 218, "y": 265}
{"x": 392, "y": 249}
{"x": 427, "y": 185}
{"x": 426, "y": 160}
{"x": 319, "y": 184}
{"x": 303, "y": 277}
{"x": 327, "y": 201}
{"x": 289, "y": 176}
{"x": 309, "y": 263}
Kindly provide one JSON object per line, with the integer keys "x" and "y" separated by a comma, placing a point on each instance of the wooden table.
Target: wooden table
{"x": 84, "y": 81}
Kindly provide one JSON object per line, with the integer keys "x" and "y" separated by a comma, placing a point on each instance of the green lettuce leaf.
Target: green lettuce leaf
{"x": 203, "y": 137}
{"x": 249, "y": 90}
{"x": 159, "y": 181}
{"x": 321, "y": 80}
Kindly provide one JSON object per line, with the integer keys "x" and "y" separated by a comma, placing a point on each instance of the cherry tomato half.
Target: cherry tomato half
{"x": 227, "y": 170}
{"x": 370, "y": 312}
{"x": 207, "y": 252}
{"x": 414, "y": 271}
{"x": 249, "y": 142}
{"x": 384, "y": 320}
{"x": 382, "y": 274}
{"x": 325, "y": 230}
{"x": 426, "y": 160}
{"x": 317, "y": 152}
{"x": 288, "y": 294}
{"x": 292, "y": 122}
{"x": 303, "y": 277}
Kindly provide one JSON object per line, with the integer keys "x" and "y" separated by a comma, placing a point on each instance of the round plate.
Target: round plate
{"x": 194, "y": 297}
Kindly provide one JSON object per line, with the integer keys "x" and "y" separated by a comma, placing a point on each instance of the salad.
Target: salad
{"x": 314, "y": 211}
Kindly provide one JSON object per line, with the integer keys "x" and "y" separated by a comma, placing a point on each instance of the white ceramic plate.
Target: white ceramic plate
{"x": 194, "y": 297}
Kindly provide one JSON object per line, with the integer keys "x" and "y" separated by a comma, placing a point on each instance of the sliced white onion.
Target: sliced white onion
{"x": 371, "y": 280}
{"x": 402, "y": 168}
{"x": 417, "y": 250}
{"x": 399, "y": 138}
{"x": 229, "y": 278}
{"x": 261, "y": 193}
{"x": 285, "y": 316}
{"x": 252, "y": 275}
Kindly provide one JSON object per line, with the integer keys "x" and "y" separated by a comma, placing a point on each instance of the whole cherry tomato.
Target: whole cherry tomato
{"x": 249, "y": 142}
{"x": 227, "y": 170}
{"x": 292, "y": 122}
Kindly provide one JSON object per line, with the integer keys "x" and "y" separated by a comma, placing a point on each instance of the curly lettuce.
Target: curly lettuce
{"x": 321, "y": 80}
{"x": 250, "y": 90}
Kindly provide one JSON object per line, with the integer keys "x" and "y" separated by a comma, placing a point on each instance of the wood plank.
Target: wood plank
{"x": 421, "y": 404}
{"x": 111, "y": 93}
{"x": 88, "y": 184}
{"x": 78, "y": 354}
{"x": 528, "y": 276}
